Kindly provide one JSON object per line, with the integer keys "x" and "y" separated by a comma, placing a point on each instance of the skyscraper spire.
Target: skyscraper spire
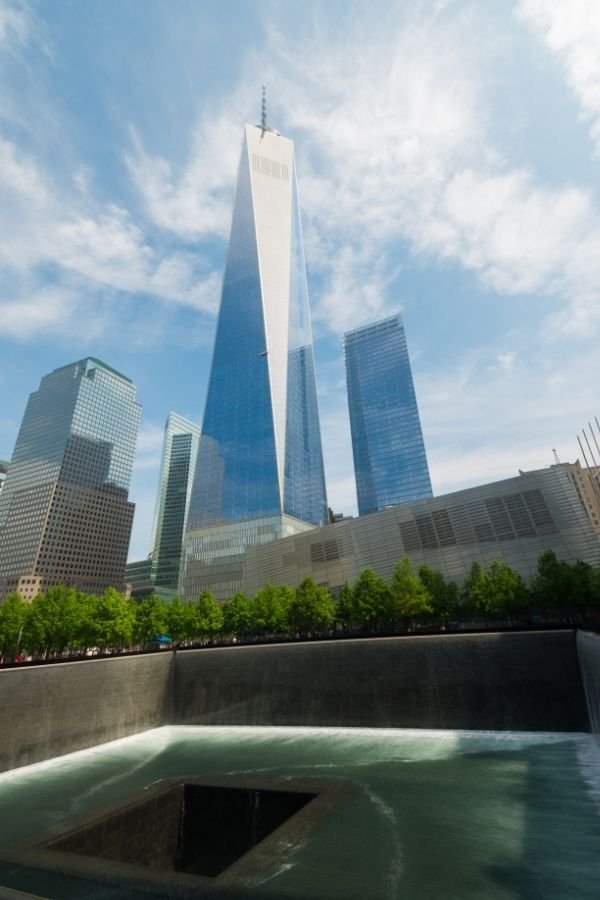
{"x": 259, "y": 472}
{"x": 263, "y": 111}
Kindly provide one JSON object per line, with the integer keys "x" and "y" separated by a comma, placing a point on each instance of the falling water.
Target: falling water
{"x": 588, "y": 648}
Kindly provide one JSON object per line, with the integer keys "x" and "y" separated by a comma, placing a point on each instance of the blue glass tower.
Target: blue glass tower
{"x": 180, "y": 449}
{"x": 260, "y": 459}
{"x": 390, "y": 463}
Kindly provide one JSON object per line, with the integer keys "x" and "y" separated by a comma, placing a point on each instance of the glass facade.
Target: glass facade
{"x": 260, "y": 449}
{"x": 64, "y": 510}
{"x": 390, "y": 462}
{"x": 180, "y": 449}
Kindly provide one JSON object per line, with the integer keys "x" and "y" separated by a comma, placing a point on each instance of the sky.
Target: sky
{"x": 447, "y": 155}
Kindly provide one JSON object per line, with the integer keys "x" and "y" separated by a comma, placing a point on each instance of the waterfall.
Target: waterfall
{"x": 588, "y": 649}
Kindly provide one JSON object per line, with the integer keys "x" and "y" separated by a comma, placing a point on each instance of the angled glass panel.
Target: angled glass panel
{"x": 236, "y": 471}
{"x": 305, "y": 496}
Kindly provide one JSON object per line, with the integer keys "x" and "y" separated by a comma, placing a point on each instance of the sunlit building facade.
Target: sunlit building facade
{"x": 390, "y": 462}
{"x": 259, "y": 474}
{"x": 513, "y": 520}
{"x": 65, "y": 517}
{"x": 180, "y": 450}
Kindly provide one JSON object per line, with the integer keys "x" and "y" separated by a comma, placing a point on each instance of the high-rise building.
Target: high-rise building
{"x": 65, "y": 517}
{"x": 390, "y": 463}
{"x": 259, "y": 474}
{"x": 180, "y": 449}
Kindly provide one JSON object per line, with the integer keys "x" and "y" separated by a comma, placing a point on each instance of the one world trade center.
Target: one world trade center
{"x": 259, "y": 472}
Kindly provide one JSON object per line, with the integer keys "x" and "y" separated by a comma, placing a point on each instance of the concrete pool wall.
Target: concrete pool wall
{"x": 528, "y": 681}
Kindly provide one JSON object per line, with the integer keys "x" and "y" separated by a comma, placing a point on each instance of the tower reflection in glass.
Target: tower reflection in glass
{"x": 259, "y": 473}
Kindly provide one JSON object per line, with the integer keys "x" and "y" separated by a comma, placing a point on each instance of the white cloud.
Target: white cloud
{"x": 391, "y": 129}
{"x": 409, "y": 162}
{"x": 482, "y": 421}
{"x": 570, "y": 29}
{"x": 15, "y": 23}
{"x": 97, "y": 243}
{"x": 47, "y": 309}
{"x": 195, "y": 202}
{"x": 150, "y": 438}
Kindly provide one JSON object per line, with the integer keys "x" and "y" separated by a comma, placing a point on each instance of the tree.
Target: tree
{"x": 558, "y": 584}
{"x": 151, "y": 619}
{"x": 237, "y": 615}
{"x": 111, "y": 620}
{"x": 209, "y": 615}
{"x": 344, "y": 610}
{"x": 500, "y": 590}
{"x": 370, "y": 599}
{"x": 549, "y": 585}
{"x": 12, "y": 620}
{"x": 504, "y": 589}
{"x": 409, "y": 595}
{"x": 443, "y": 595}
{"x": 267, "y": 609}
{"x": 54, "y": 621}
{"x": 474, "y": 588}
{"x": 178, "y": 619}
{"x": 311, "y": 608}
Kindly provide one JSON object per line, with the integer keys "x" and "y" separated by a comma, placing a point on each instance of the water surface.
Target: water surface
{"x": 432, "y": 814}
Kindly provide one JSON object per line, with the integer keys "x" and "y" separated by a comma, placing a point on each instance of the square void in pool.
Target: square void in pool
{"x": 185, "y": 833}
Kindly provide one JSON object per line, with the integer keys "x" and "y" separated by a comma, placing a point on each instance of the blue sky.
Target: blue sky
{"x": 448, "y": 156}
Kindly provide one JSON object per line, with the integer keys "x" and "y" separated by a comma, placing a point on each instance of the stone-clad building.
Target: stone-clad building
{"x": 65, "y": 517}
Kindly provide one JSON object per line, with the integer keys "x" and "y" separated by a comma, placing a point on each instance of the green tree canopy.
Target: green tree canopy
{"x": 443, "y": 595}
{"x": 179, "y": 619}
{"x": 112, "y": 620}
{"x": 505, "y": 591}
{"x": 268, "y": 613}
{"x": 237, "y": 615}
{"x": 55, "y": 620}
{"x": 371, "y": 599}
{"x": 497, "y": 591}
{"x": 151, "y": 619}
{"x": 12, "y": 621}
{"x": 344, "y": 610}
{"x": 209, "y": 615}
{"x": 311, "y": 608}
{"x": 409, "y": 595}
{"x": 474, "y": 589}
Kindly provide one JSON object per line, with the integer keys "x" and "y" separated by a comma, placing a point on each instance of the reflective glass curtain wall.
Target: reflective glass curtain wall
{"x": 64, "y": 510}
{"x": 180, "y": 449}
{"x": 260, "y": 449}
{"x": 390, "y": 462}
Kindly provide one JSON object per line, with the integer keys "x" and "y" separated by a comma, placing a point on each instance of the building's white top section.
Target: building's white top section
{"x": 271, "y": 162}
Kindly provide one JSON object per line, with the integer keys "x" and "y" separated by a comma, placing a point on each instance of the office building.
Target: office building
{"x": 512, "y": 520}
{"x": 259, "y": 474}
{"x": 180, "y": 449}
{"x": 390, "y": 463}
{"x": 65, "y": 517}
{"x": 138, "y": 579}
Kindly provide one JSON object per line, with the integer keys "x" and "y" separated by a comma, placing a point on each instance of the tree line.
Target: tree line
{"x": 64, "y": 620}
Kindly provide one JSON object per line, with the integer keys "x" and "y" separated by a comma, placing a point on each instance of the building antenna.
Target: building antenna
{"x": 263, "y": 111}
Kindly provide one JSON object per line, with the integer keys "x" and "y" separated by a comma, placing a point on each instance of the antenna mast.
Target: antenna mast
{"x": 263, "y": 111}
